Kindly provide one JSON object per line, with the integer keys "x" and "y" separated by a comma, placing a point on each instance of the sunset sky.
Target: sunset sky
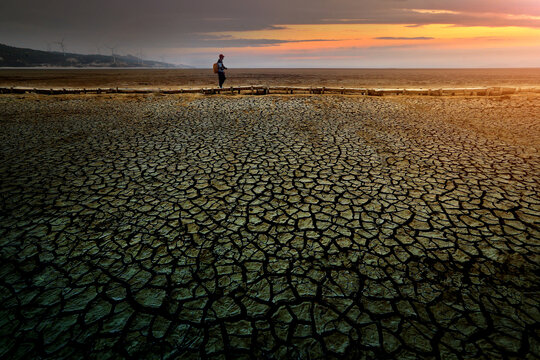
{"x": 286, "y": 33}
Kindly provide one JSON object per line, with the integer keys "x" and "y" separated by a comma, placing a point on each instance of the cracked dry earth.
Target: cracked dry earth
{"x": 269, "y": 227}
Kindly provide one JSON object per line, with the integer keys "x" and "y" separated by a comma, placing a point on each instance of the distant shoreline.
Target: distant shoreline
{"x": 255, "y": 68}
{"x": 90, "y": 68}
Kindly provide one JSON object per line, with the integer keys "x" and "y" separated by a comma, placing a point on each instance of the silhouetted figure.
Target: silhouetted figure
{"x": 221, "y": 70}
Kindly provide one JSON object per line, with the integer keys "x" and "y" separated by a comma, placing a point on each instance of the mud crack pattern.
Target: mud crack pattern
{"x": 265, "y": 227}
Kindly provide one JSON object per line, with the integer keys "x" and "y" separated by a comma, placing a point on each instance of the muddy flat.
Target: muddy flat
{"x": 383, "y": 78}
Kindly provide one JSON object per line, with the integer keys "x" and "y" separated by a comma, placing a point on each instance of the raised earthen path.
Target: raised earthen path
{"x": 265, "y": 90}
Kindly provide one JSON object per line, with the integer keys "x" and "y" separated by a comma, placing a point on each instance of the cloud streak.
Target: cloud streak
{"x": 227, "y": 42}
{"x": 404, "y": 38}
{"x": 433, "y": 11}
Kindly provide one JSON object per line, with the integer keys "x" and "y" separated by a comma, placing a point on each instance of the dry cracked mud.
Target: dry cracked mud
{"x": 269, "y": 227}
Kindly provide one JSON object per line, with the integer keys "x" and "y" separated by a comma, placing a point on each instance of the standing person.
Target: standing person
{"x": 221, "y": 70}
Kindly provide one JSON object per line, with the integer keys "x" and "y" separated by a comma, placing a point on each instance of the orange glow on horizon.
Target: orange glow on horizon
{"x": 323, "y": 37}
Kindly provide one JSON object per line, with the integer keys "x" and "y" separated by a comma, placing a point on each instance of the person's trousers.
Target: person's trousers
{"x": 222, "y": 78}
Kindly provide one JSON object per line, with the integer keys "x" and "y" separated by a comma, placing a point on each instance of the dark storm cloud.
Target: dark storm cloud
{"x": 170, "y": 19}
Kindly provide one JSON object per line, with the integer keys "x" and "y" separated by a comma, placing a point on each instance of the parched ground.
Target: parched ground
{"x": 269, "y": 227}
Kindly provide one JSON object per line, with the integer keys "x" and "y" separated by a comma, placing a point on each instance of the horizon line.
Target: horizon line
{"x": 263, "y": 68}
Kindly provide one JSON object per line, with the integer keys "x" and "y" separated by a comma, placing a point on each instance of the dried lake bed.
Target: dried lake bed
{"x": 269, "y": 227}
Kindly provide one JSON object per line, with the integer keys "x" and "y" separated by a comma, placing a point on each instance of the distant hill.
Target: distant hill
{"x": 19, "y": 57}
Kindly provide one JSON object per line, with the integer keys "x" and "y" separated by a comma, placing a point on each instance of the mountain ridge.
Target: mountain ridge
{"x": 11, "y": 56}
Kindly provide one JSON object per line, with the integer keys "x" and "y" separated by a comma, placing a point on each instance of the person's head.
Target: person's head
{"x": 221, "y": 56}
